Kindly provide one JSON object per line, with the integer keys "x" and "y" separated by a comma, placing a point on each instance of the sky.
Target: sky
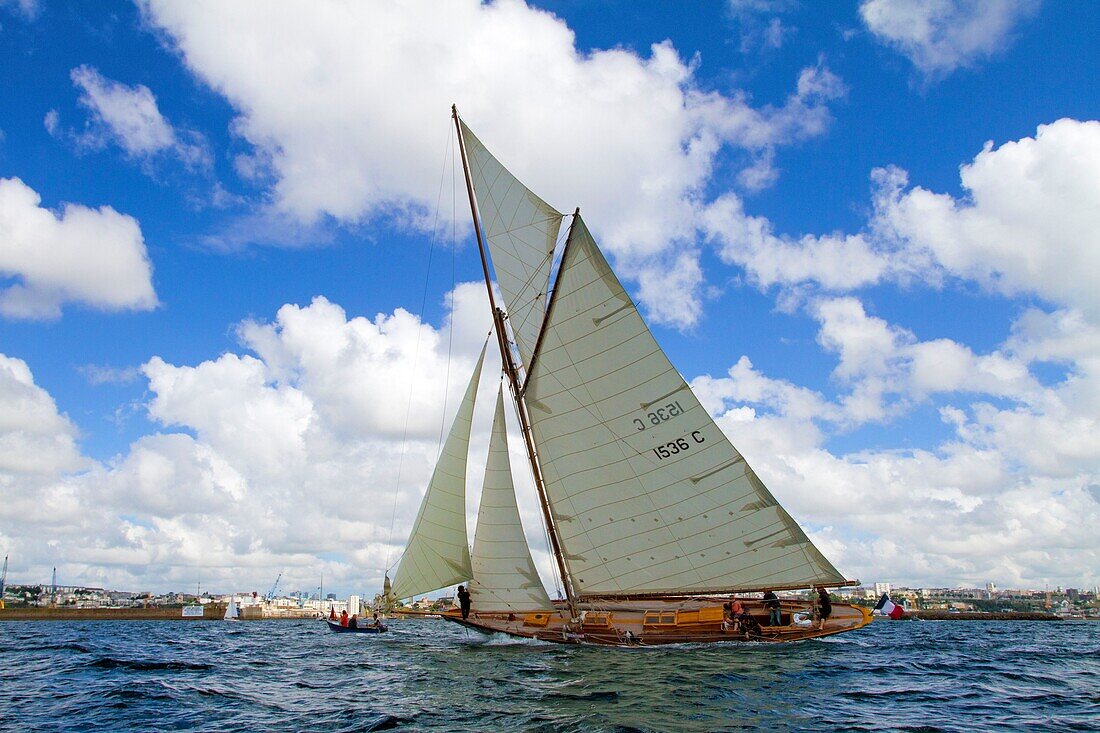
{"x": 240, "y": 298}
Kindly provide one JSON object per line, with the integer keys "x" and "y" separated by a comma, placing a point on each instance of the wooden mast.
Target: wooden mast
{"x": 513, "y": 377}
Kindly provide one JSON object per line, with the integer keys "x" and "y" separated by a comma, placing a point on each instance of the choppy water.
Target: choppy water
{"x": 432, "y": 676}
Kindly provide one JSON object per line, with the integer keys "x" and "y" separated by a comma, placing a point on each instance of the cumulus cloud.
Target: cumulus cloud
{"x": 939, "y": 36}
{"x": 1006, "y": 497}
{"x": 95, "y": 257}
{"x": 129, "y": 117}
{"x": 286, "y": 455}
{"x": 29, "y": 9}
{"x": 835, "y": 261}
{"x": 630, "y": 138}
{"x": 760, "y": 22}
{"x": 1028, "y": 224}
{"x": 35, "y": 439}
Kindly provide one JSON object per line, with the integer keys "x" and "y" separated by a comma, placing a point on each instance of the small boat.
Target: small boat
{"x": 232, "y": 612}
{"x": 369, "y": 629}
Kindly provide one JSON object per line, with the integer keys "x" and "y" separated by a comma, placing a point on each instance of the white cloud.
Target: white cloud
{"x": 759, "y": 22}
{"x": 833, "y": 261}
{"x": 34, "y": 438}
{"x": 95, "y": 257}
{"x": 888, "y": 368}
{"x": 29, "y": 9}
{"x": 1030, "y": 222}
{"x": 632, "y": 139}
{"x": 262, "y": 462}
{"x": 97, "y": 374}
{"x": 939, "y": 36}
{"x": 276, "y": 459}
{"x": 1007, "y": 497}
{"x": 129, "y": 117}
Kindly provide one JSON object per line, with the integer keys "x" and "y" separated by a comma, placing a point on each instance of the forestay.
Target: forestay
{"x": 647, "y": 493}
{"x": 504, "y": 576}
{"x": 521, "y": 230}
{"x": 438, "y": 554}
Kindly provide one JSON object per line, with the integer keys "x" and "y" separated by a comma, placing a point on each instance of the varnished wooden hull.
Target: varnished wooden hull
{"x": 652, "y": 622}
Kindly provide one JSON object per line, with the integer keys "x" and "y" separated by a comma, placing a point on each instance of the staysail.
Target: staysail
{"x": 521, "y": 230}
{"x": 648, "y": 494}
{"x": 438, "y": 554}
{"x": 504, "y": 577}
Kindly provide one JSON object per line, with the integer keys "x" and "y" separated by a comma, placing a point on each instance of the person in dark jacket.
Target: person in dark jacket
{"x": 771, "y": 602}
{"x": 353, "y": 622}
{"x": 823, "y": 606}
{"x": 464, "y": 601}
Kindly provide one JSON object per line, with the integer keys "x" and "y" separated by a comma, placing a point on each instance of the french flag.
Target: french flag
{"x": 888, "y": 608}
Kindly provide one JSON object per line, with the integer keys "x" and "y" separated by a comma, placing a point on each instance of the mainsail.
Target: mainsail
{"x": 504, "y": 577}
{"x": 647, "y": 494}
{"x": 521, "y": 230}
{"x": 438, "y": 554}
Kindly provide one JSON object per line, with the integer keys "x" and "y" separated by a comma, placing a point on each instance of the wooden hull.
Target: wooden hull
{"x": 652, "y": 622}
{"x": 360, "y": 630}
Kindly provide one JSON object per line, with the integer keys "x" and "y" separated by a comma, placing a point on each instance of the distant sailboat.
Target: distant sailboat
{"x": 654, "y": 519}
{"x": 232, "y": 613}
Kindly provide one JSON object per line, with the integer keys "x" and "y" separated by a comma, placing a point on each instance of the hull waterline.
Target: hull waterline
{"x": 650, "y": 623}
{"x": 359, "y": 630}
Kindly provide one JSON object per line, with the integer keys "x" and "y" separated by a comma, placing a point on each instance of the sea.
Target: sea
{"x": 428, "y": 675}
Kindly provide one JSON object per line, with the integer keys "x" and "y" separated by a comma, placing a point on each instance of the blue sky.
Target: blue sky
{"x": 867, "y": 231}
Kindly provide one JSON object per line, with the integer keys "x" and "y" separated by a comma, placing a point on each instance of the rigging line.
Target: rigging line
{"x": 551, "y": 256}
{"x": 416, "y": 351}
{"x": 451, "y": 325}
{"x": 534, "y": 271}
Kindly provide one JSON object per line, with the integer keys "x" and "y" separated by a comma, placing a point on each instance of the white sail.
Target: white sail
{"x": 231, "y": 611}
{"x": 438, "y": 554}
{"x": 504, "y": 577}
{"x": 647, "y": 493}
{"x": 521, "y": 230}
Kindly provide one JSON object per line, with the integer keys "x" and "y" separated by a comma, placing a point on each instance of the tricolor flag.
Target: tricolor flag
{"x": 888, "y": 608}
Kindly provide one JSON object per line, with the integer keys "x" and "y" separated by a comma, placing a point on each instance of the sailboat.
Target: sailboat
{"x": 655, "y": 521}
{"x": 232, "y": 613}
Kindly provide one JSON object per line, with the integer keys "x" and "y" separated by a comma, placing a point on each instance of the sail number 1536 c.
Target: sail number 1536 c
{"x": 660, "y": 415}
{"x": 679, "y": 445}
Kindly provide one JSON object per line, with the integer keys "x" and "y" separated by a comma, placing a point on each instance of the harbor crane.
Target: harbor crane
{"x": 274, "y": 588}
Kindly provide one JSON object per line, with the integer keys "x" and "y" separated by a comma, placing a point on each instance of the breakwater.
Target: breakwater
{"x": 981, "y": 616}
{"x": 210, "y": 612}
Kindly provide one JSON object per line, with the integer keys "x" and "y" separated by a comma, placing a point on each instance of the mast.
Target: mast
{"x": 513, "y": 378}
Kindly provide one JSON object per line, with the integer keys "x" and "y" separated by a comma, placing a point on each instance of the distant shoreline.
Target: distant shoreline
{"x": 211, "y": 612}
{"x": 216, "y": 612}
{"x": 978, "y": 616}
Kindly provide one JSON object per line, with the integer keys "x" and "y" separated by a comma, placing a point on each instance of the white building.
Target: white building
{"x": 353, "y": 605}
{"x": 881, "y": 588}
